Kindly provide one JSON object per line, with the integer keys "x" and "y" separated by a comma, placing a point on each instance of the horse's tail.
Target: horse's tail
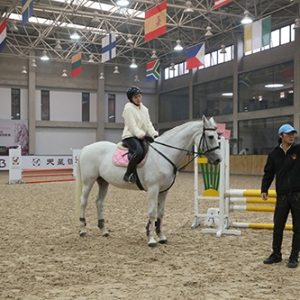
{"x": 78, "y": 188}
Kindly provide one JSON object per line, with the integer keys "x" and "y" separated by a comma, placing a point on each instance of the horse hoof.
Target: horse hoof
{"x": 82, "y": 234}
{"x": 105, "y": 234}
{"x": 163, "y": 241}
{"x": 152, "y": 245}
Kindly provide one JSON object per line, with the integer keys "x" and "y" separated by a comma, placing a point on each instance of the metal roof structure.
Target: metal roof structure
{"x": 53, "y": 21}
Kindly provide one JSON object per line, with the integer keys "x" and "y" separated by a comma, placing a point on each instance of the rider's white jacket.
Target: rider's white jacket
{"x": 137, "y": 122}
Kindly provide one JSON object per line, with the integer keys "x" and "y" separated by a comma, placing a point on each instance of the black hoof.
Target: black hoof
{"x": 163, "y": 241}
{"x": 152, "y": 245}
{"x": 82, "y": 234}
{"x": 106, "y": 234}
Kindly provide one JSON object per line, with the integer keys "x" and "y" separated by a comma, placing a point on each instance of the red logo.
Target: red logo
{"x": 294, "y": 156}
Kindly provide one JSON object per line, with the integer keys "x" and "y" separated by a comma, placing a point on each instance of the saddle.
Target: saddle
{"x": 122, "y": 155}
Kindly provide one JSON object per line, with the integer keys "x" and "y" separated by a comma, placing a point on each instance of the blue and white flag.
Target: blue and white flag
{"x": 2, "y": 35}
{"x": 27, "y": 10}
{"x": 109, "y": 47}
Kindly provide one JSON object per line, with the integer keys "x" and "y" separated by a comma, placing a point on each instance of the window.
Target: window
{"x": 45, "y": 105}
{"x": 266, "y": 88}
{"x": 85, "y": 107}
{"x": 285, "y": 35}
{"x": 111, "y": 108}
{"x": 15, "y": 104}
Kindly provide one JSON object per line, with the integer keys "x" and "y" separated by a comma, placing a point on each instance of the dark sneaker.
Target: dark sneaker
{"x": 293, "y": 262}
{"x": 273, "y": 258}
{"x": 129, "y": 178}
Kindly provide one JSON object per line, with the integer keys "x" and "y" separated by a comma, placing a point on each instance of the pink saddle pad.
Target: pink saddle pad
{"x": 120, "y": 158}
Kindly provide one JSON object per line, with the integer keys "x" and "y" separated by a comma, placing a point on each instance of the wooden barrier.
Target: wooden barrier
{"x": 58, "y": 173}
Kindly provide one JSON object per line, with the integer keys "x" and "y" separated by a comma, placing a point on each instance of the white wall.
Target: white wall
{"x": 66, "y": 106}
{"x": 58, "y": 141}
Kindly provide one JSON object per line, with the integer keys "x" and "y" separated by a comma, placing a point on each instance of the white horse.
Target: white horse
{"x": 157, "y": 175}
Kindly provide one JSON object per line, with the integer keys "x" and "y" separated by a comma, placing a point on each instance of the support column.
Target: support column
{"x": 100, "y": 106}
{"x": 297, "y": 80}
{"x": 31, "y": 104}
{"x": 237, "y": 66}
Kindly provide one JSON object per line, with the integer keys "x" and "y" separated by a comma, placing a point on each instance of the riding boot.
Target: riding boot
{"x": 129, "y": 176}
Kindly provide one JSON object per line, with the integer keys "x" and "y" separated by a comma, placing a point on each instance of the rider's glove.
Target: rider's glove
{"x": 149, "y": 138}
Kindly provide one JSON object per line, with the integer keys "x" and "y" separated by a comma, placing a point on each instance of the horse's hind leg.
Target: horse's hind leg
{"x": 83, "y": 203}
{"x": 103, "y": 187}
{"x": 160, "y": 214}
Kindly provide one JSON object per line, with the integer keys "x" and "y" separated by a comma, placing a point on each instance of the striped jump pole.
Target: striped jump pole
{"x": 248, "y": 193}
{"x": 252, "y": 208}
{"x": 258, "y": 225}
{"x": 252, "y": 200}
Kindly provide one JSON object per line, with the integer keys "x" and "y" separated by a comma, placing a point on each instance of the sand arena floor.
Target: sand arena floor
{"x": 43, "y": 257}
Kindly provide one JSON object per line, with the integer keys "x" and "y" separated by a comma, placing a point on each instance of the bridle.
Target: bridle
{"x": 203, "y": 142}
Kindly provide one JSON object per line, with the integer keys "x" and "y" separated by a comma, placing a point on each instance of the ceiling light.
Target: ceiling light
{"x": 208, "y": 32}
{"x": 58, "y": 46}
{"x": 64, "y": 73}
{"x": 136, "y": 78}
{"x": 172, "y": 67}
{"x": 101, "y": 76}
{"x": 297, "y": 23}
{"x": 188, "y": 8}
{"x": 227, "y": 94}
{"x": 96, "y": 17}
{"x": 273, "y": 85}
{"x": 33, "y": 64}
{"x": 129, "y": 39}
{"x": 223, "y": 51}
{"x": 153, "y": 54}
{"x": 122, "y": 3}
{"x": 44, "y": 57}
{"x": 13, "y": 26}
{"x": 116, "y": 71}
{"x": 133, "y": 64}
{"x": 24, "y": 70}
{"x": 246, "y": 19}
{"x": 75, "y": 36}
{"x": 178, "y": 46}
{"x": 91, "y": 60}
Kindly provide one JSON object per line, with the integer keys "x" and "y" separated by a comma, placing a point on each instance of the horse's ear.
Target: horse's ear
{"x": 204, "y": 120}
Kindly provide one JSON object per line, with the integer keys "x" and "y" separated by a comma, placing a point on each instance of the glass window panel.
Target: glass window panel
{"x": 111, "y": 108}
{"x": 257, "y": 89}
{"x": 275, "y": 38}
{"x": 207, "y": 60}
{"x": 292, "y": 33}
{"x": 167, "y": 73}
{"x": 214, "y": 57}
{"x": 85, "y": 107}
{"x": 221, "y": 57}
{"x": 174, "y": 105}
{"x": 15, "y": 104}
{"x": 45, "y": 105}
{"x": 285, "y": 35}
{"x": 260, "y": 135}
{"x": 213, "y": 98}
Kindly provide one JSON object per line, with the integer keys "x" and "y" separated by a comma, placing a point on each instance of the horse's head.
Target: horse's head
{"x": 208, "y": 141}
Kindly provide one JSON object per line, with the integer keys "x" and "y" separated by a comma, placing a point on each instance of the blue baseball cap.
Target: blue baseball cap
{"x": 286, "y": 128}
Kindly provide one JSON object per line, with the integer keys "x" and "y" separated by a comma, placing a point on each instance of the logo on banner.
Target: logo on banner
{"x": 36, "y": 162}
{"x": 15, "y": 161}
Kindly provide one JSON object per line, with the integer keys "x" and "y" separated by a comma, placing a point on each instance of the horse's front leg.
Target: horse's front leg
{"x": 103, "y": 188}
{"x": 152, "y": 206}
{"x": 160, "y": 214}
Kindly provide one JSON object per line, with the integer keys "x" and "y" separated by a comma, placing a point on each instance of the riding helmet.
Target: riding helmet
{"x": 133, "y": 91}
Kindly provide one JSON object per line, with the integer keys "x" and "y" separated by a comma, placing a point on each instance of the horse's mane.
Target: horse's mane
{"x": 181, "y": 127}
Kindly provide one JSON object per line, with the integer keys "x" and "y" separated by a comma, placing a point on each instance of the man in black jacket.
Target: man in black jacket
{"x": 284, "y": 163}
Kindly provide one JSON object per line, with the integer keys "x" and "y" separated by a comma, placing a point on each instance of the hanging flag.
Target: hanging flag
{"x": 76, "y": 65}
{"x": 27, "y": 10}
{"x": 195, "y": 56}
{"x": 2, "y": 35}
{"x": 257, "y": 34}
{"x": 109, "y": 47}
{"x": 152, "y": 72}
{"x": 155, "y": 21}
{"x": 219, "y": 3}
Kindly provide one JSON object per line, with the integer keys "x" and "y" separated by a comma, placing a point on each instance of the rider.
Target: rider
{"x": 138, "y": 127}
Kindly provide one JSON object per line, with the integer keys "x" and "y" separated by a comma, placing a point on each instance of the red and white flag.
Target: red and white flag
{"x": 219, "y": 3}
